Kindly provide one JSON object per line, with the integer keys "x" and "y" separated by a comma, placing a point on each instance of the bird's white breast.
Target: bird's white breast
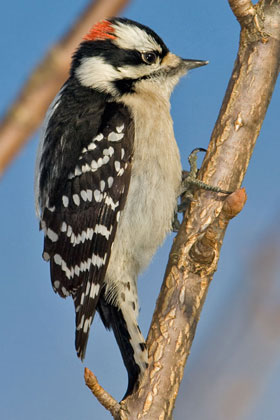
{"x": 154, "y": 187}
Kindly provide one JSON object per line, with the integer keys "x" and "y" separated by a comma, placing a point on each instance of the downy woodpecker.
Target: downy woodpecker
{"x": 108, "y": 175}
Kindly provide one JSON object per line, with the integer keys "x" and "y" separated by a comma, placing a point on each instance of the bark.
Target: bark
{"x": 195, "y": 252}
{"x": 28, "y": 111}
{"x": 240, "y": 353}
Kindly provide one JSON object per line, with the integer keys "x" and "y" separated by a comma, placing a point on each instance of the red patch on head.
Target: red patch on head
{"x": 101, "y": 31}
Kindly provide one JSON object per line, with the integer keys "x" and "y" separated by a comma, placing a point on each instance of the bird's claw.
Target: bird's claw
{"x": 189, "y": 184}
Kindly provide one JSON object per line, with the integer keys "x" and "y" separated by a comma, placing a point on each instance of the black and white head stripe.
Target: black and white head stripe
{"x": 81, "y": 195}
{"x": 101, "y": 61}
{"x": 132, "y": 35}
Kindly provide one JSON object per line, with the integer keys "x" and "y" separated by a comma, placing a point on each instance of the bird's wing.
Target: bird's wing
{"x": 83, "y": 208}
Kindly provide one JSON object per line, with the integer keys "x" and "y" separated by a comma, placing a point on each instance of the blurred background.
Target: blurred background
{"x": 234, "y": 368}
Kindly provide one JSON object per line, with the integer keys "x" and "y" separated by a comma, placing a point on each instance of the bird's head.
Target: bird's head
{"x": 119, "y": 57}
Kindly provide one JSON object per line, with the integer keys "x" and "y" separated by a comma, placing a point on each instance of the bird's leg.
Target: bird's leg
{"x": 189, "y": 184}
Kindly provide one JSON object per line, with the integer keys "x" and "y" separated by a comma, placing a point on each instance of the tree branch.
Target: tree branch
{"x": 251, "y": 321}
{"x": 27, "y": 112}
{"x": 195, "y": 252}
{"x": 242, "y": 8}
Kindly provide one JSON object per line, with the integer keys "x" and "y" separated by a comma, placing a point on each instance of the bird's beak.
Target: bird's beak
{"x": 193, "y": 64}
{"x": 177, "y": 66}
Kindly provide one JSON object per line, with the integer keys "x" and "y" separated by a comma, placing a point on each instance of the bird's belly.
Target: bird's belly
{"x": 146, "y": 218}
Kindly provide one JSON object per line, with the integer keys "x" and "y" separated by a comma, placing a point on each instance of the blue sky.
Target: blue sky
{"x": 41, "y": 377}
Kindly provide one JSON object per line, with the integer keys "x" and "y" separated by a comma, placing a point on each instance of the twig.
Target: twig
{"x": 103, "y": 396}
{"x": 27, "y": 112}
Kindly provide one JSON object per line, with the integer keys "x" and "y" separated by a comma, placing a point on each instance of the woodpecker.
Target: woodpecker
{"x": 108, "y": 175}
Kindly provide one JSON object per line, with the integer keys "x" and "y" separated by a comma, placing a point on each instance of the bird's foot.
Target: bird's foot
{"x": 189, "y": 184}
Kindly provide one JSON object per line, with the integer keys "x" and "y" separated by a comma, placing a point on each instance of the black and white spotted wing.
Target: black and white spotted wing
{"x": 82, "y": 211}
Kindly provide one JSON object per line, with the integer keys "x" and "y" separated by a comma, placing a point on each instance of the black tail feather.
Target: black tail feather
{"x": 112, "y": 318}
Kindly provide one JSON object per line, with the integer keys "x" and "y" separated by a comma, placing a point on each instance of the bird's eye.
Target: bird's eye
{"x": 149, "y": 57}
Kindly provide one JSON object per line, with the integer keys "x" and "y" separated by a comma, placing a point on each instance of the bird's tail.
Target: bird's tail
{"x": 129, "y": 338}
